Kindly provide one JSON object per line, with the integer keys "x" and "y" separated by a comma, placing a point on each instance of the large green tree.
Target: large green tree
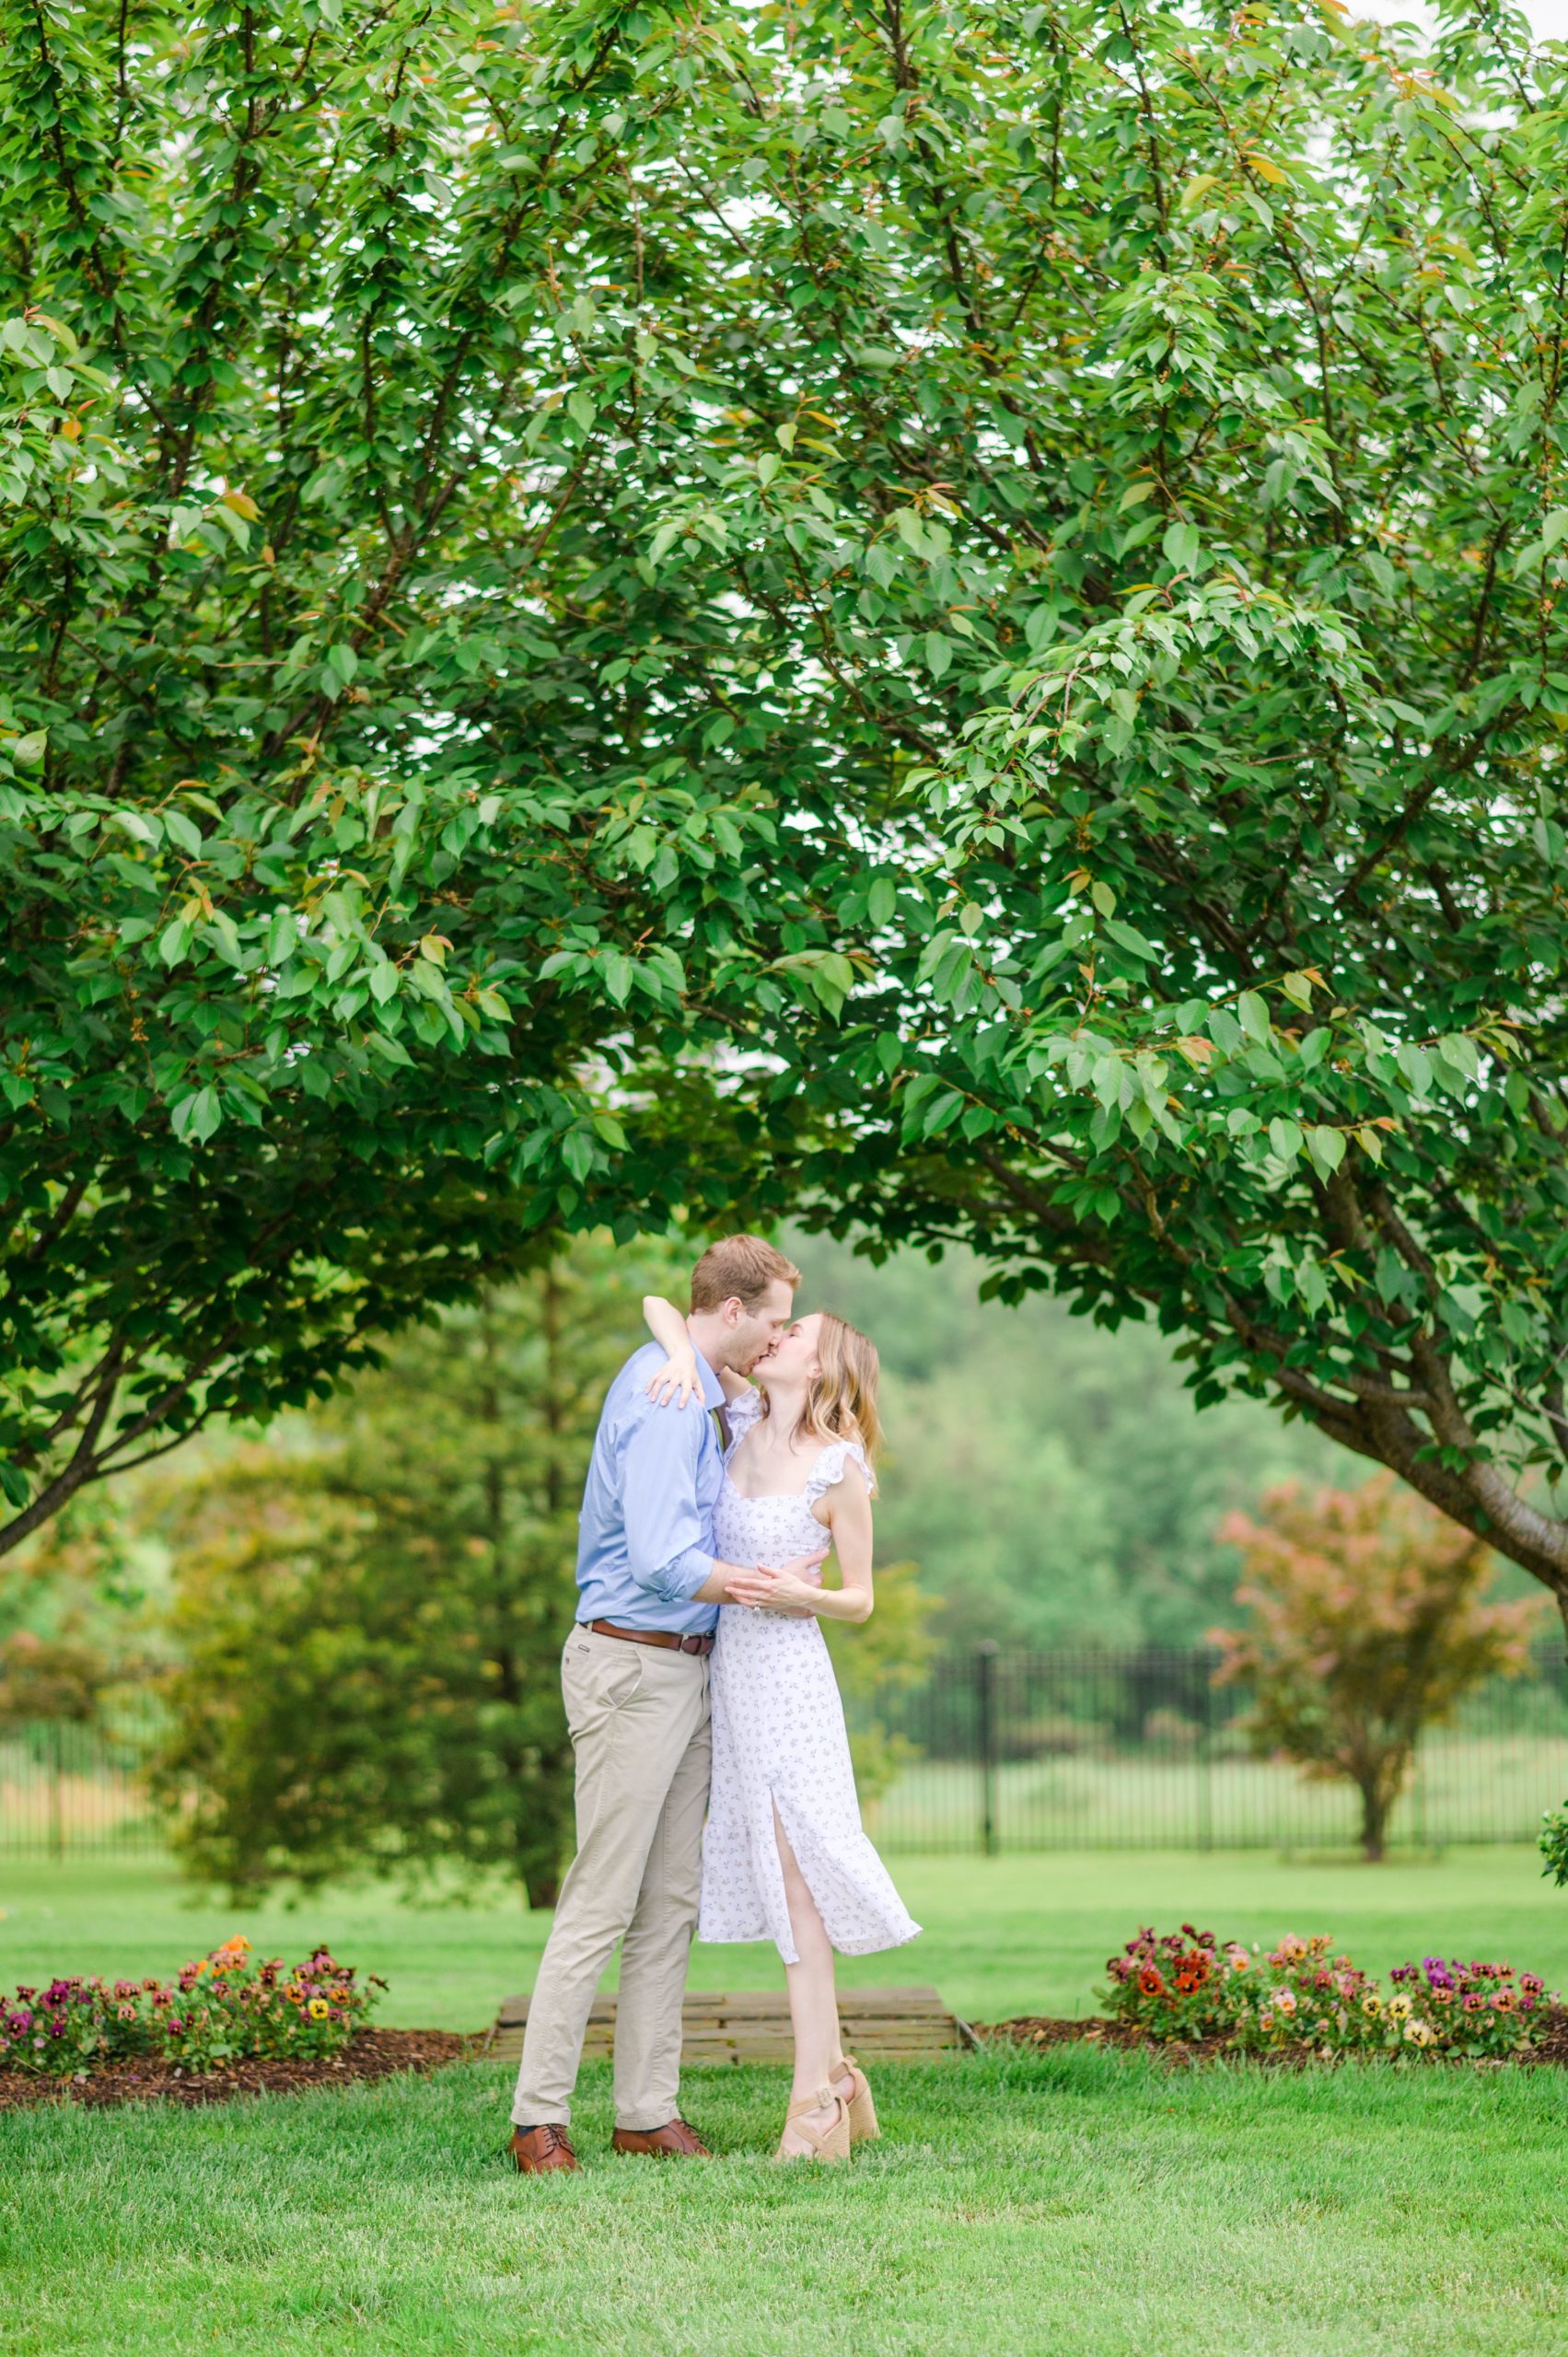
{"x": 369, "y": 1611}
{"x": 1231, "y": 984}
{"x": 318, "y": 774}
{"x": 986, "y": 584}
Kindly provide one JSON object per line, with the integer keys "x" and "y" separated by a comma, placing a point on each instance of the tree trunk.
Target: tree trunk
{"x": 552, "y": 1405}
{"x": 541, "y": 1889}
{"x": 1375, "y": 1807}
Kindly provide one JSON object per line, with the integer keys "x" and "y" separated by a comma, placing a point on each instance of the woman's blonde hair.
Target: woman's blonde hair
{"x": 841, "y": 1399}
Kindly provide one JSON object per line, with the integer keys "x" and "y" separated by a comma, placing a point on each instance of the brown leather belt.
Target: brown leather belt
{"x": 665, "y": 1637}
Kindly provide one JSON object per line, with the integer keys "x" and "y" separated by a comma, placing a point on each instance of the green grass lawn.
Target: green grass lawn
{"x": 1071, "y": 2203}
{"x": 1003, "y": 1935}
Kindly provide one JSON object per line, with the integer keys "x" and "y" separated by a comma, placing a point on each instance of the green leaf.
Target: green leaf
{"x": 197, "y": 1116}
{"x": 1252, "y": 1013}
{"x": 577, "y": 1153}
{"x": 1326, "y": 1148}
{"x": 938, "y": 653}
{"x": 141, "y": 827}
{"x": 183, "y": 831}
{"x": 1128, "y": 937}
{"x": 1180, "y": 545}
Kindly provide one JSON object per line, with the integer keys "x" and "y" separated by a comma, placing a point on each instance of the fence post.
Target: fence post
{"x": 985, "y": 1725}
{"x": 1205, "y": 1753}
{"x": 56, "y": 1774}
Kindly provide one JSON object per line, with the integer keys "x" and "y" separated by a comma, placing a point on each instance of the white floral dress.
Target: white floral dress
{"x": 779, "y": 1741}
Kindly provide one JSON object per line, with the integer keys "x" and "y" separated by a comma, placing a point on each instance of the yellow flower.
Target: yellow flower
{"x": 1420, "y": 2033}
{"x": 1372, "y": 2007}
{"x": 319, "y": 2009}
{"x": 1398, "y": 2008}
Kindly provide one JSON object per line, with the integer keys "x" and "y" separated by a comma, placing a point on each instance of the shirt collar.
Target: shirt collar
{"x": 713, "y": 1389}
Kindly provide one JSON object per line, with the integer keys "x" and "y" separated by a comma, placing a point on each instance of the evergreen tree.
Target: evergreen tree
{"x": 370, "y": 1608}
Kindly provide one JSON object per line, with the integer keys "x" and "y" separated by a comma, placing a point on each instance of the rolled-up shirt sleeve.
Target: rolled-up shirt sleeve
{"x": 667, "y": 1549}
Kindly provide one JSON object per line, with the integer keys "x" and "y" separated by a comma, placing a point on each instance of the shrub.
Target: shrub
{"x": 219, "y": 2009}
{"x": 1050, "y": 1735}
{"x": 1186, "y": 1984}
{"x": 1554, "y": 1843}
{"x": 1367, "y": 1624}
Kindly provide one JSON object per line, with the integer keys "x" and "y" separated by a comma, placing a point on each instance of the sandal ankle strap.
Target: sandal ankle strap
{"x": 825, "y": 2099}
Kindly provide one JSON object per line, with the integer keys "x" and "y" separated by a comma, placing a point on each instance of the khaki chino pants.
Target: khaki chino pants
{"x": 638, "y": 1718}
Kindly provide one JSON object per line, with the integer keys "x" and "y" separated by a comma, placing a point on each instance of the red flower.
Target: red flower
{"x": 1151, "y": 1981}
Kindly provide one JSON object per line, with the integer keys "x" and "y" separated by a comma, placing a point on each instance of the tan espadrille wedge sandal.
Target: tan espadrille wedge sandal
{"x": 862, "y": 2110}
{"x": 829, "y": 2143}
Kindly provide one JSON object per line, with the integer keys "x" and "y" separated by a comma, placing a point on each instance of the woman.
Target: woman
{"x": 785, "y": 1857}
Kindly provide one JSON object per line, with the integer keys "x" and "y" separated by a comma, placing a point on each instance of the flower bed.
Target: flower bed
{"x": 224, "y": 2008}
{"x": 1189, "y": 1986}
{"x": 370, "y": 2054}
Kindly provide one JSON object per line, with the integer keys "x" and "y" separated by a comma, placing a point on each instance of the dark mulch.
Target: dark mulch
{"x": 1044, "y": 2029}
{"x": 371, "y": 2054}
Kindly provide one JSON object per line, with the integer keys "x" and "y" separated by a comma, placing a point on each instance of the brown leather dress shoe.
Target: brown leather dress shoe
{"x": 534, "y": 2150}
{"x": 674, "y": 2141}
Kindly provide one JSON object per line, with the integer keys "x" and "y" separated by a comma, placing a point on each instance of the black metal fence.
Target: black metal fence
{"x": 1074, "y": 1749}
{"x": 69, "y": 1790}
{"x": 1139, "y": 1749}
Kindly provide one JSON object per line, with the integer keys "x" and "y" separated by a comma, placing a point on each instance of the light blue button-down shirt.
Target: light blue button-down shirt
{"x": 646, "y": 1535}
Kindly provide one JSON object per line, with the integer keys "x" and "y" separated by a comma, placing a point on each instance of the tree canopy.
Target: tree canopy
{"x": 980, "y": 592}
{"x": 314, "y": 790}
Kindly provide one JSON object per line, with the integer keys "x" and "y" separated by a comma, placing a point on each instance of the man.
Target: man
{"x": 635, "y": 1674}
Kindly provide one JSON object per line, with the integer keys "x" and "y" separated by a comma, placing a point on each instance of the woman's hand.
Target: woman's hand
{"x": 676, "y": 1379}
{"x": 792, "y": 1587}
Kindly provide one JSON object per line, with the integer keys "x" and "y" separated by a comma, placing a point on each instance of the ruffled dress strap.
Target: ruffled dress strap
{"x": 829, "y": 1470}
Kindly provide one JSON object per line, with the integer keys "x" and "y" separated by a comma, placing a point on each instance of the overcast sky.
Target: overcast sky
{"x": 1550, "y": 18}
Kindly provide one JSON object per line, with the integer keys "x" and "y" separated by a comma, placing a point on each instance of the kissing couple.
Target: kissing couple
{"x": 697, "y": 1683}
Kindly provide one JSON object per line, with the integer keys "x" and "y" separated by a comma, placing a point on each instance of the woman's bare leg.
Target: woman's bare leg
{"x": 813, "y": 1997}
